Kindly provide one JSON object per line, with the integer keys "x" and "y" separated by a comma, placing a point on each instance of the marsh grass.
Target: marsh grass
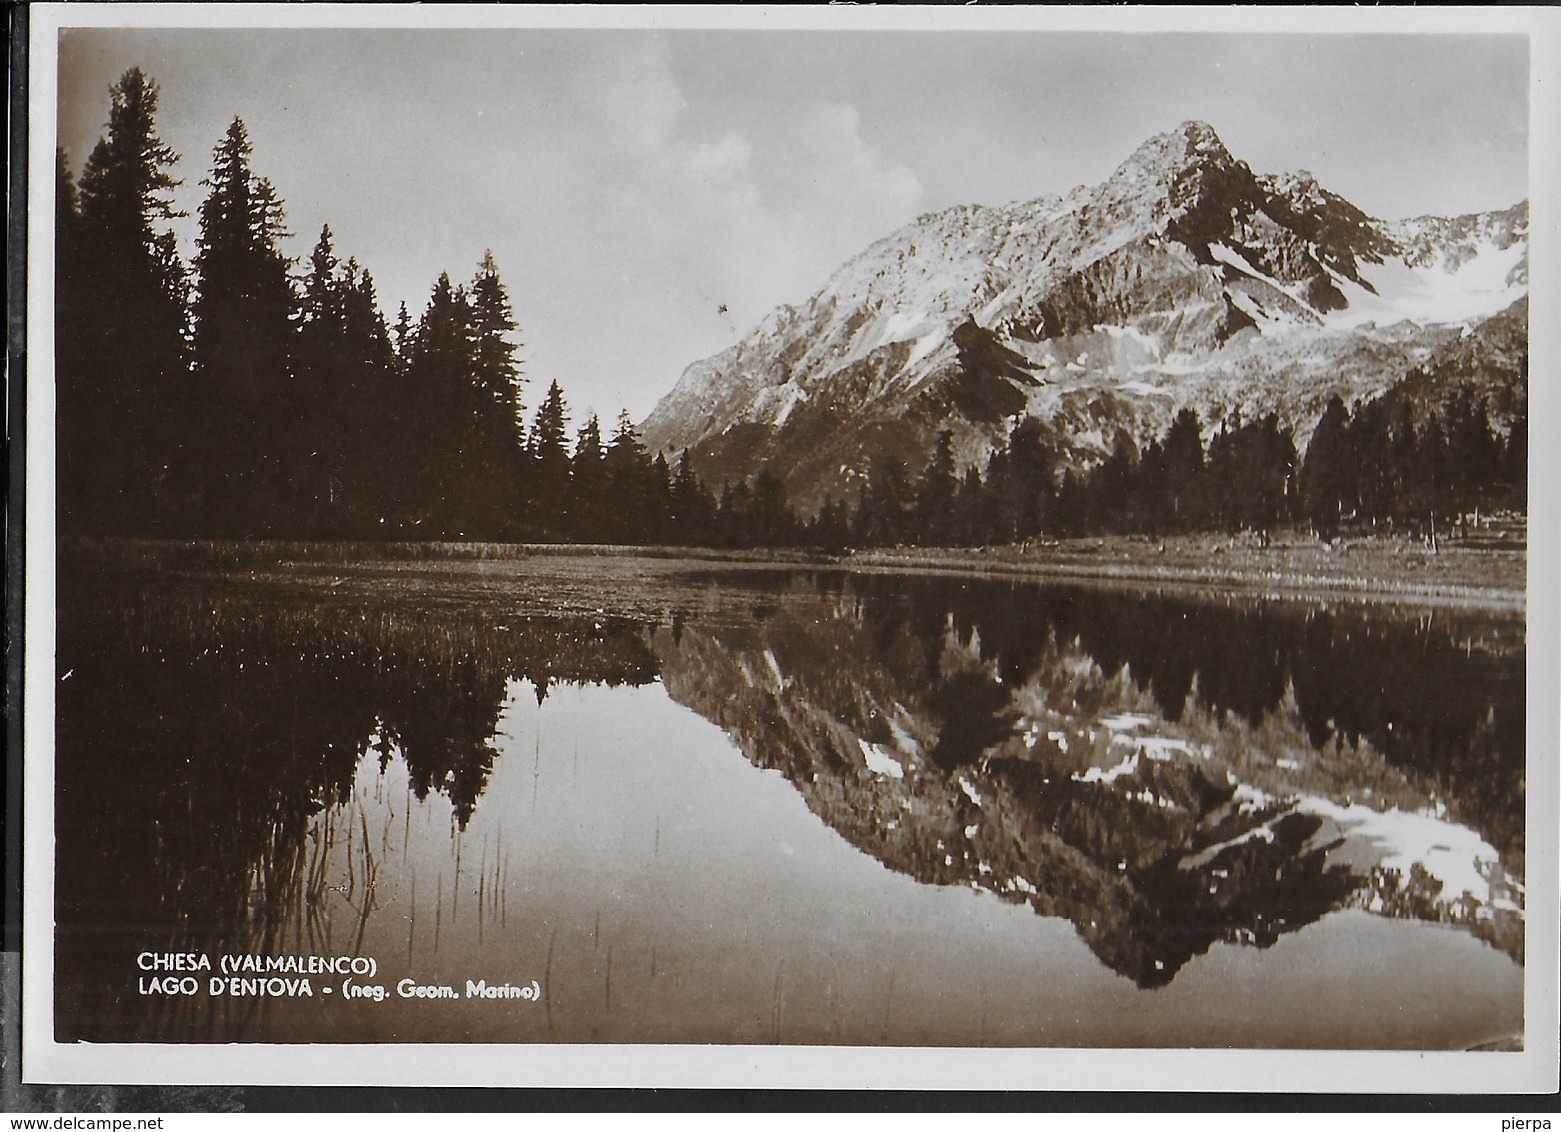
{"x": 245, "y": 553}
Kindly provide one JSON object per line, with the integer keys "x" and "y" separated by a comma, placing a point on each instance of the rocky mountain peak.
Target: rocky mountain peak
{"x": 1171, "y": 157}
{"x": 1183, "y": 280}
{"x": 1189, "y": 143}
{"x": 1299, "y": 187}
{"x": 1170, "y": 182}
{"x": 1200, "y": 136}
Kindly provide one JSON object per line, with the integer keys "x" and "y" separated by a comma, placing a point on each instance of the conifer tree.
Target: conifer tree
{"x": 591, "y": 503}
{"x": 318, "y": 359}
{"x": 355, "y": 436}
{"x": 1274, "y": 474}
{"x": 995, "y": 515}
{"x": 693, "y": 509}
{"x": 67, "y": 205}
{"x": 1111, "y": 483}
{"x": 405, "y": 335}
{"x": 374, "y": 428}
{"x": 548, "y": 494}
{"x": 970, "y": 508}
{"x": 494, "y": 411}
{"x": 934, "y": 510}
{"x": 1432, "y": 458}
{"x": 121, "y": 345}
{"x": 630, "y": 484}
{"x": 439, "y": 389}
{"x": 243, "y": 322}
{"x": 1031, "y": 466}
{"x": 657, "y": 525}
{"x": 1407, "y": 493}
{"x": 1371, "y": 460}
{"x": 831, "y": 527}
{"x": 1183, "y": 464}
{"x": 1252, "y": 470}
{"x": 1325, "y": 473}
{"x": 733, "y": 521}
{"x": 1473, "y": 452}
{"x": 770, "y": 520}
{"x": 1071, "y": 509}
{"x": 497, "y": 370}
{"x": 886, "y": 510}
{"x": 1149, "y": 507}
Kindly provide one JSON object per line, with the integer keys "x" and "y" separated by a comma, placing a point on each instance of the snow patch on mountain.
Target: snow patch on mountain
{"x": 1182, "y": 280}
{"x": 1455, "y": 855}
{"x": 1480, "y": 281}
{"x": 1234, "y": 259}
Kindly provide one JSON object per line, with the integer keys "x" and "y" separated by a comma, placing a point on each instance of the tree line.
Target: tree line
{"x": 231, "y": 397}
{"x": 246, "y": 395}
{"x": 1371, "y": 467}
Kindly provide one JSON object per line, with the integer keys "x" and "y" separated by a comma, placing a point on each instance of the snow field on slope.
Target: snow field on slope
{"x": 1430, "y": 295}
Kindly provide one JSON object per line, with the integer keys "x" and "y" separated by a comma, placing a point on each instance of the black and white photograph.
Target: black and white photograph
{"x": 662, "y": 544}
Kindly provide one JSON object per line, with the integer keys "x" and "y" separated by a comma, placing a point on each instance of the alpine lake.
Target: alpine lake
{"x": 602, "y": 798}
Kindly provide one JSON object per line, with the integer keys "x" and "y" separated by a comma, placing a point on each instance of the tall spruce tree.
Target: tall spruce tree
{"x": 1032, "y": 463}
{"x": 934, "y": 522}
{"x": 771, "y": 521}
{"x": 319, "y": 358}
{"x": 1111, "y": 486}
{"x": 970, "y": 510}
{"x": 547, "y": 496}
{"x": 631, "y": 485}
{"x": 344, "y": 372}
{"x": 457, "y": 418}
{"x": 1325, "y": 472}
{"x": 659, "y": 521}
{"x": 495, "y": 407}
{"x": 120, "y": 331}
{"x": 374, "y": 426}
{"x": 1473, "y": 452}
{"x": 405, "y": 337}
{"x": 591, "y": 502}
{"x": 886, "y": 512}
{"x": 693, "y": 515}
{"x": 1183, "y": 464}
{"x": 1149, "y": 496}
{"x": 1252, "y": 472}
{"x": 497, "y": 371}
{"x": 249, "y": 466}
{"x": 1372, "y": 460}
{"x": 439, "y": 387}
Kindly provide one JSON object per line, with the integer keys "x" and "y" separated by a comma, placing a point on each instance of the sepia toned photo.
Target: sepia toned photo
{"x": 837, "y": 537}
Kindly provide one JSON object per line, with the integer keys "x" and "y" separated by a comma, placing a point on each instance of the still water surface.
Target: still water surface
{"x": 787, "y": 806}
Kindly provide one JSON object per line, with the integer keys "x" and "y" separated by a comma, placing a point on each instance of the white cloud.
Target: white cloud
{"x": 684, "y": 224}
{"x": 631, "y": 182}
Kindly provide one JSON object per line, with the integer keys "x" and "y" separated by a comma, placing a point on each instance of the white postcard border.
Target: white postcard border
{"x": 45, "y": 1061}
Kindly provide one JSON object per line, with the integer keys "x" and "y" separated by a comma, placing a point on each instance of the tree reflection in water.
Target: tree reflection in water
{"x": 1165, "y": 773}
{"x": 198, "y": 738}
{"x": 1151, "y": 768}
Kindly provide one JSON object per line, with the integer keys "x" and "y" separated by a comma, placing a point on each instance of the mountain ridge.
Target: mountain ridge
{"x": 1184, "y": 279}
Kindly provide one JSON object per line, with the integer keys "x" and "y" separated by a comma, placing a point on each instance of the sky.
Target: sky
{"x": 650, "y": 195}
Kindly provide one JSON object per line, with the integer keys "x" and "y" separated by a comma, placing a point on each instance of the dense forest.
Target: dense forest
{"x": 1373, "y": 468}
{"x": 248, "y": 395}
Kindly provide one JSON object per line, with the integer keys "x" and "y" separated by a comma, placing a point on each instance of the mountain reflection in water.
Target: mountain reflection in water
{"x": 1164, "y": 774}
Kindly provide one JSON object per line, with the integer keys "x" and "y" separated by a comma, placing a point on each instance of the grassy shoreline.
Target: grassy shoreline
{"x": 1387, "y": 568}
{"x": 1376, "y": 568}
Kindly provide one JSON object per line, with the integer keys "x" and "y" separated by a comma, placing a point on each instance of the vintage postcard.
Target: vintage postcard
{"x": 586, "y": 546}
